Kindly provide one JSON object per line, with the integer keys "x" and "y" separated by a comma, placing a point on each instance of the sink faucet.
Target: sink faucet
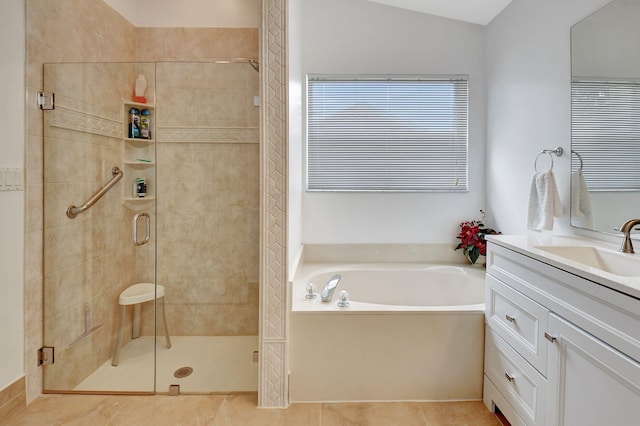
{"x": 330, "y": 288}
{"x": 625, "y": 228}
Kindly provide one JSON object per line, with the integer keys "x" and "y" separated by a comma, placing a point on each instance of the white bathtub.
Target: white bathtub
{"x": 411, "y": 332}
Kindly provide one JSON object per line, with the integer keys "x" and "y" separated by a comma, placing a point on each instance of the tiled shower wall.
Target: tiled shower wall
{"x": 208, "y": 178}
{"x": 57, "y": 31}
{"x": 208, "y": 198}
{"x": 90, "y": 259}
{"x": 90, "y": 31}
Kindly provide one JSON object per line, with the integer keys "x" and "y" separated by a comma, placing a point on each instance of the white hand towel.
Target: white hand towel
{"x": 544, "y": 202}
{"x": 581, "y": 211}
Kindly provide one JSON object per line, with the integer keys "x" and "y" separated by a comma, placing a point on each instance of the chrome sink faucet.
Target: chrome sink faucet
{"x": 330, "y": 288}
{"x": 626, "y": 228}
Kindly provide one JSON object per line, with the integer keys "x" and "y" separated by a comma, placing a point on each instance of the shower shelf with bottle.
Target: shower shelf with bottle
{"x": 138, "y": 154}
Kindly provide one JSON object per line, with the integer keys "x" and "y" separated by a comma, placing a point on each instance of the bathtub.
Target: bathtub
{"x": 411, "y": 332}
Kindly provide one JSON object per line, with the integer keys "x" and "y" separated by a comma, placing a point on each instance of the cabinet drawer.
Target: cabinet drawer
{"x": 610, "y": 316}
{"x": 518, "y": 320}
{"x": 518, "y": 382}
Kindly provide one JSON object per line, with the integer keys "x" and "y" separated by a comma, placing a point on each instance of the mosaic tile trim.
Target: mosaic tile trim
{"x": 71, "y": 119}
{"x": 273, "y": 383}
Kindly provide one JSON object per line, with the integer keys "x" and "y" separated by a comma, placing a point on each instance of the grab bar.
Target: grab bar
{"x": 74, "y": 211}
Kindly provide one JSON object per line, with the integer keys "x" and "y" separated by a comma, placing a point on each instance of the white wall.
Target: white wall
{"x": 190, "y": 13}
{"x": 294, "y": 96}
{"x": 357, "y": 36}
{"x": 528, "y": 102}
{"x": 12, "y": 69}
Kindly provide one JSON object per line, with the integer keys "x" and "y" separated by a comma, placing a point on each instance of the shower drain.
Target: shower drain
{"x": 183, "y": 372}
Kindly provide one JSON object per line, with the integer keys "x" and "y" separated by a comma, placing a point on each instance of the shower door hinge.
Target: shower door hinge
{"x": 45, "y": 355}
{"x": 46, "y": 100}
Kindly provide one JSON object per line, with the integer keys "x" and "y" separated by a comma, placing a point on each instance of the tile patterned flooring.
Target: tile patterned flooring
{"x": 240, "y": 410}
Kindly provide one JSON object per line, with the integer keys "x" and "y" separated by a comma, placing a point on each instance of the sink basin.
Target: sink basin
{"x": 623, "y": 264}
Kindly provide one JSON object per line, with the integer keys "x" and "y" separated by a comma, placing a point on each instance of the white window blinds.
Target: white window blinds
{"x": 387, "y": 134}
{"x": 605, "y": 133}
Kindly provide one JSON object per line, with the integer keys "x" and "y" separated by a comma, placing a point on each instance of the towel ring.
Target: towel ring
{"x": 579, "y": 158}
{"x": 535, "y": 163}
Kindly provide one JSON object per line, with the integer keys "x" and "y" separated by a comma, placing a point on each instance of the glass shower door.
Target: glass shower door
{"x": 95, "y": 252}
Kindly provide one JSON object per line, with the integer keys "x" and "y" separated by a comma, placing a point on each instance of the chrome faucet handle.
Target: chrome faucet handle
{"x": 343, "y": 297}
{"x": 311, "y": 291}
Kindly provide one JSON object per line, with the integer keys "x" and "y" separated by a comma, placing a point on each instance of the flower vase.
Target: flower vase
{"x": 481, "y": 261}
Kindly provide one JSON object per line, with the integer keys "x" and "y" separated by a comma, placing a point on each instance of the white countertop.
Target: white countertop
{"x": 527, "y": 245}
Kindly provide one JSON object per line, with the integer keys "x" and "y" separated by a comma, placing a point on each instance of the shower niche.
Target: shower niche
{"x": 201, "y": 170}
{"x": 138, "y": 154}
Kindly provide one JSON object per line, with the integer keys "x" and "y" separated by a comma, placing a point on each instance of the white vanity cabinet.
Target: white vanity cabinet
{"x": 591, "y": 382}
{"x": 560, "y": 349}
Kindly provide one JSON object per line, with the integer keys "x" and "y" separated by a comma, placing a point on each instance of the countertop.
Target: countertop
{"x": 527, "y": 245}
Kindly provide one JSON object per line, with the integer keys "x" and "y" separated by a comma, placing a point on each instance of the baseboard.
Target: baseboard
{"x": 13, "y": 398}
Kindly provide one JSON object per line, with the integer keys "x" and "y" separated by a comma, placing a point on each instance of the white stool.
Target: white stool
{"x": 136, "y": 295}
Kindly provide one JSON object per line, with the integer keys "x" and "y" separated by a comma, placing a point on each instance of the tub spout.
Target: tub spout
{"x": 330, "y": 288}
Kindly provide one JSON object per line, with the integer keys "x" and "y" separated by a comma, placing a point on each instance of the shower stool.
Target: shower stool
{"x": 137, "y": 294}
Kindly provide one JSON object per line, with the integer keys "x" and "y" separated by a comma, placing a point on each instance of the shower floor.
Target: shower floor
{"x": 220, "y": 364}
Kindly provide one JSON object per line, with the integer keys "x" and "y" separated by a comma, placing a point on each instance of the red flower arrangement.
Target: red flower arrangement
{"x": 472, "y": 238}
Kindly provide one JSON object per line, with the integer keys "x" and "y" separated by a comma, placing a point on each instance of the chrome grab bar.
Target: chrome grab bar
{"x": 74, "y": 211}
{"x": 135, "y": 229}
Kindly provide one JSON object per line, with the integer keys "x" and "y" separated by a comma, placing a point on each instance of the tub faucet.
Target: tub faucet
{"x": 330, "y": 288}
{"x": 626, "y": 228}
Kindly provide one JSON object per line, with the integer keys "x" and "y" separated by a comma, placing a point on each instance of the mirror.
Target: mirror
{"x": 605, "y": 117}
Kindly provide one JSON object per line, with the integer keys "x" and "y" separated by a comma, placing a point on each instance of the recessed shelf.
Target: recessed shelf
{"x": 133, "y": 150}
{"x": 139, "y": 140}
{"x": 138, "y": 199}
{"x": 139, "y": 163}
{"x": 138, "y": 104}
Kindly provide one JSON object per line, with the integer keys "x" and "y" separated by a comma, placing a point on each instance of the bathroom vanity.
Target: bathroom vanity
{"x": 562, "y": 342}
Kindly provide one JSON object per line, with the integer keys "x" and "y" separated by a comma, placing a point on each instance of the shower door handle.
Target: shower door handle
{"x": 135, "y": 229}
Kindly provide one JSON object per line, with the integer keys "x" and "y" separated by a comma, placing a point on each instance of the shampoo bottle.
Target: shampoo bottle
{"x": 141, "y": 88}
{"x": 134, "y": 123}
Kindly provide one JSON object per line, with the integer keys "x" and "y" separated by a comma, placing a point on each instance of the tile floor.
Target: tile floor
{"x": 240, "y": 410}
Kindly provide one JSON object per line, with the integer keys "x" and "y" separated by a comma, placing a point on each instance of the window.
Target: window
{"x": 387, "y": 133}
{"x": 605, "y": 133}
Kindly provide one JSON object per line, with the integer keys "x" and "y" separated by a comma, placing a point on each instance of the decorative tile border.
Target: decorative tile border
{"x": 71, "y": 119}
{"x": 273, "y": 391}
{"x": 208, "y": 134}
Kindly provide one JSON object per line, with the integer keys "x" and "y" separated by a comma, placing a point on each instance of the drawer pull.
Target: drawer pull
{"x": 510, "y": 318}
{"x": 550, "y": 337}
{"x": 509, "y": 377}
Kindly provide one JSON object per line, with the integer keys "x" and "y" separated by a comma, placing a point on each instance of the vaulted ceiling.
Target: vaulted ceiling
{"x": 474, "y": 11}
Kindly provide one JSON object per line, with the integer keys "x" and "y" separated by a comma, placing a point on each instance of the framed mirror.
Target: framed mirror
{"x": 605, "y": 117}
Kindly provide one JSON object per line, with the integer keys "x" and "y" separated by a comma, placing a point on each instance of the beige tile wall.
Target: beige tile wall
{"x": 208, "y": 183}
{"x": 57, "y": 31}
{"x": 208, "y": 178}
{"x": 90, "y": 259}
{"x": 187, "y": 44}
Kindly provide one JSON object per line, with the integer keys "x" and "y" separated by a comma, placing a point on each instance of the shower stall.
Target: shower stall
{"x": 192, "y": 237}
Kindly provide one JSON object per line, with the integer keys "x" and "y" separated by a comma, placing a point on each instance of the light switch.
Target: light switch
{"x": 17, "y": 179}
{"x": 11, "y": 179}
{"x": 8, "y": 177}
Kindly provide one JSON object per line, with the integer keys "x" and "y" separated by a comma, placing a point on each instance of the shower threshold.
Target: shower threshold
{"x": 220, "y": 364}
